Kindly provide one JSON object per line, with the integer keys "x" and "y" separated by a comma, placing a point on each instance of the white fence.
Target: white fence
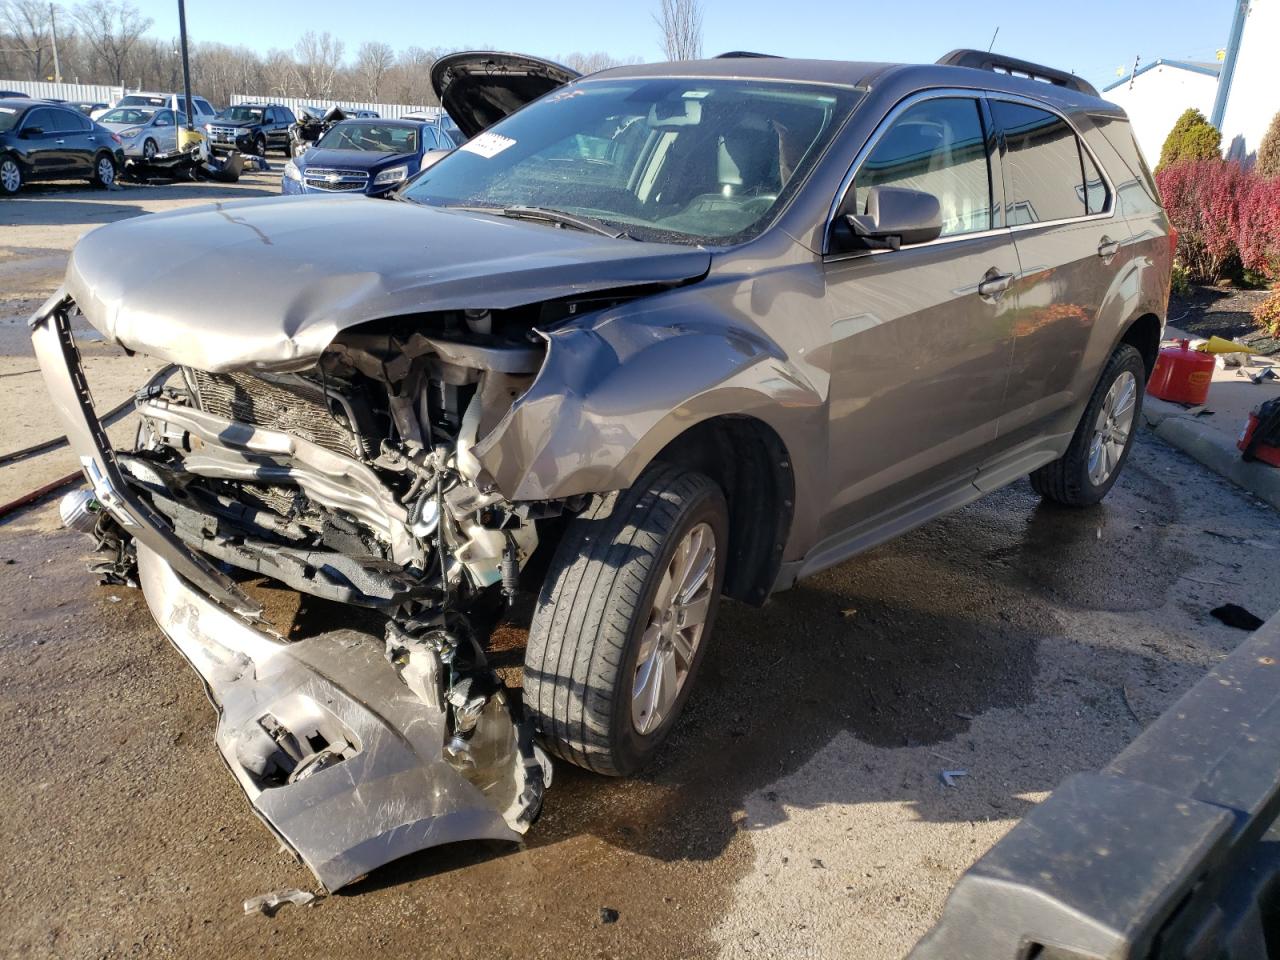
{"x": 75, "y": 92}
{"x": 391, "y": 110}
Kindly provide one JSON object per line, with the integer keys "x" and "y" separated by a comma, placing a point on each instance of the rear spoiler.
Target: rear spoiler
{"x": 1168, "y": 852}
{"x": 997, "y": 63}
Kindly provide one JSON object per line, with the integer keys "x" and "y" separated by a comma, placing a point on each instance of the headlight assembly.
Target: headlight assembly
{"x": 393, "y": 175}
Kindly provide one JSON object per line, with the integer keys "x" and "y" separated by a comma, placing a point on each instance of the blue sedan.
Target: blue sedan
{"x": 365, "y": 156}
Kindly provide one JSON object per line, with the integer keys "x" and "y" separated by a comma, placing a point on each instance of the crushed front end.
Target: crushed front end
{"x": 350, "y": 479}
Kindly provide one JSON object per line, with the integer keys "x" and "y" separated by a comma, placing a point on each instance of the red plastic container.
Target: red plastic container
{"x": 1261, "y": 451}
{"x": 1182, "y": 375}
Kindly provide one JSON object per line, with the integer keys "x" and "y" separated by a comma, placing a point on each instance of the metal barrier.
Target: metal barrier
{"x": 1171, "y": 852}
{"x": 74, "y": 92}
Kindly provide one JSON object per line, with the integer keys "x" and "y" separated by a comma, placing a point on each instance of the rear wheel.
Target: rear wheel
{"x": 104, "y": 170}
{"x": 10, "y": 176}
{"x": 1103, "y": 438}
{"x": 624, "y": 619}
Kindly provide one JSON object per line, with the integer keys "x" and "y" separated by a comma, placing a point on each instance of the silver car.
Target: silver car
{"x": 146, "y": 132}
{"x": 647, "y": 338}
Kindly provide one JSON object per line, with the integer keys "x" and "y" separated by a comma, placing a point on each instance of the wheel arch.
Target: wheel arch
{"x": 1143, "y": 334}
{"x": 749, "y": 461}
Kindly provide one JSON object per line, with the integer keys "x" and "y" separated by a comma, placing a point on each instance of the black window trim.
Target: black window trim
{"x": 998, "y": 172}
{"x": 1081, "y": 144}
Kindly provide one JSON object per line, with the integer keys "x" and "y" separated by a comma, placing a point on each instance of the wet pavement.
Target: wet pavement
{"x": 796, "y": 809}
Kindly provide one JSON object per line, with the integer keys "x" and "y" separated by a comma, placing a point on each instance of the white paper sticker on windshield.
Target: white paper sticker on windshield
{"x": 488, "y": 145}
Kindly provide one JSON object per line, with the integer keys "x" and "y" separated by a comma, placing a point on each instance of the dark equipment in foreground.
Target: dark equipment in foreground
{"x": 1170, "y": 852}
{"x": 193, "y": 164}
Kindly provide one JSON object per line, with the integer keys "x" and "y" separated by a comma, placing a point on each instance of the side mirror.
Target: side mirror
{"x": 895, "y": 217}
{"x": 30, "y": 133}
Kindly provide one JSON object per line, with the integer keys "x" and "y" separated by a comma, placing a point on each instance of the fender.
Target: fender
{"x": 610, "y": 396}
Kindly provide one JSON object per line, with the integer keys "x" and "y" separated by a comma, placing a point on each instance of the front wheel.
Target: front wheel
{"x": 149, "y": 150}
{"x": 259, "y": 146}
{"x": 1100, "y": 446}
{"x": 624, "y": 619}
{"x": 104, "y": 171}
{"x": 10, "y": 176}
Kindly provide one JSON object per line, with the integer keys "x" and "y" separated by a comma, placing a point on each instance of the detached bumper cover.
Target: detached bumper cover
{"x": 336, "y": 753}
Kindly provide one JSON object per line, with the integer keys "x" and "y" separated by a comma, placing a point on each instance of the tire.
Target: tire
{"x": 594, "y": 617}
{"x": 104, "y": 171}
{"x": 10, "y": 176}
{"x": 1075, "y": 480}
{"x": 259, "y": 146}
{"x": 149, "y": 150}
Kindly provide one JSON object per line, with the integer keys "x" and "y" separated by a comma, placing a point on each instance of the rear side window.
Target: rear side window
{"x": 939, "y": 147}
{"x": 43, "y": 119}
{"x": 1049, "y": 176}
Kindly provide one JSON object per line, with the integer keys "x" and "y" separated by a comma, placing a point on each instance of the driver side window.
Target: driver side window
{"x": 939, "y": 147}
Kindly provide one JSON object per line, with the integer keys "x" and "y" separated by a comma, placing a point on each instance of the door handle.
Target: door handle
{"x": 93, "y": 139}
{"x": 993, "y": 285}
{"x": 1108, "y": 248}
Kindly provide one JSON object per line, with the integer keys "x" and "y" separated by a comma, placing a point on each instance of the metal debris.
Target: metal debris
{"x": 948, "y": 777}
{"x": 268, "y": 903}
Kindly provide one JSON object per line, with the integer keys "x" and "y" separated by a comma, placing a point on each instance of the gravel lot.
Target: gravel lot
{"x": 797, "y": 810}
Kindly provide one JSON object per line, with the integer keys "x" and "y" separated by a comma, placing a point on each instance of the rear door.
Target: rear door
{"x": 1071, "y": 249}
{"x": 920, "y": 336}
{"x": 81, "y": 142}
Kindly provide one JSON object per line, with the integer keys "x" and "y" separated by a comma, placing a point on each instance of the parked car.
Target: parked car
{"x": 203, "y": 109}
{"x": 649, "y": 337}
{"x": 45, "y": 141}
{"x": 144, "y": 132}
{"x": 251, "y": 128}
{"x": 88, "y": 107}
{"x": 13, "y": 95}
{"x": 372, "y": 157}
{"x": 443, "y": 119}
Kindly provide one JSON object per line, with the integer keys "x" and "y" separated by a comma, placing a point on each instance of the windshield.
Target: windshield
{"x": 374, "y": 137}
{"x": 126, "y": 115}
{"x": 674, "y": 159}
{"x": 9, "y": 117}
{"x": 242, "y": 114}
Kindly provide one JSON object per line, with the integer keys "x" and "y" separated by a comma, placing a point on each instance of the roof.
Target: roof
{"x": 1194, "y": 66}
{"x": 845, "y": 73}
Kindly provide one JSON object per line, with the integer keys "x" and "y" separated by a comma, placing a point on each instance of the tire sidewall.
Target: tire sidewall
{"x": 631, "y": 748}
{"x": 259, "y": 146}
{"x": 149, "y": 155}
{"x": 1131, "y": 361}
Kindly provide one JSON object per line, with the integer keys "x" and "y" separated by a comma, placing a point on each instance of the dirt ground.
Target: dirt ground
{"x": 1224, "y": 312}
{"x": 798, "y": 809}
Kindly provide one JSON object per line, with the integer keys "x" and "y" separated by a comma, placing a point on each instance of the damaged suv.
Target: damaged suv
{"x": 649, "y": 337}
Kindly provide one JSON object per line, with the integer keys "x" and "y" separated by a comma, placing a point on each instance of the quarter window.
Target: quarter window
{"x": 939, "y": 147}
{"x": 1049, "y": 176}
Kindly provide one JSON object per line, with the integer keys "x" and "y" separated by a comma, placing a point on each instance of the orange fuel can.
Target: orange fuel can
{"x": 1182, "y": 375}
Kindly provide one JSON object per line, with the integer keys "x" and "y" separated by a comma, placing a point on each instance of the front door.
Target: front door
{"x": 921, "y": 336}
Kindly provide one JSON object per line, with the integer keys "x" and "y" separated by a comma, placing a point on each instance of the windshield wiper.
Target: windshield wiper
{"x": 589, "y": 224}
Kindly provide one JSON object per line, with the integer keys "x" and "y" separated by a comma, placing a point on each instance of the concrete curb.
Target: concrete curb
{"x": 1212, "y": 447}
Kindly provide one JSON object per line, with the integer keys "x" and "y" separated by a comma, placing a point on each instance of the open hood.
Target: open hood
{"x": 479, "y": 88}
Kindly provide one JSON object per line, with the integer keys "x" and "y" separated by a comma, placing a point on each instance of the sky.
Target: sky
{"x": 1092, "y": 37}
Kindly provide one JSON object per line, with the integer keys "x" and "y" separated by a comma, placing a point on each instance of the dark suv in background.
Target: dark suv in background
{"x": 251, "y": 128}
{"x": 47, "y": 141}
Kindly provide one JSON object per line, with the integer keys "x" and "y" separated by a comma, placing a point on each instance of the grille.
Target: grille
{"x": 298, "y": 409}
{"x": 224, "y": 134}
{"x": 329, "y": 178}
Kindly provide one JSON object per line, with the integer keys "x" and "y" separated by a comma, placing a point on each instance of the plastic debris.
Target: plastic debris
{"x": 268, "y": 903}
{"x": 949, "y": 776}
{"x": 1236, "y": 616}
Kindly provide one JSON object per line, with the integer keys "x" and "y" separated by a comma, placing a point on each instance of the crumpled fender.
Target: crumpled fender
{"x": 611, "y": 395}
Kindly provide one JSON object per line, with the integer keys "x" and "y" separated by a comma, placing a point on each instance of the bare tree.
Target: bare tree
{"x": 591, "y": 62}
{"x": 373, "y": 60}
{"x": 28, "y": 25}
{"x": 319, "y": 59}
{"x": 681, "y": 24}
{"x": 111, "y": 30}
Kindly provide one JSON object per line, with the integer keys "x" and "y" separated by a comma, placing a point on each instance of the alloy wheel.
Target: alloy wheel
{"x": 10, "y": 176}
{"x": 670, "y": 640}
{"x": 149, "y": 151}
{"x": 1112, "y": 428}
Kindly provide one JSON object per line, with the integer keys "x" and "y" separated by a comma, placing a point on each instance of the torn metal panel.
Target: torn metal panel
{"x": 306, "y": 285}
{"x": 347, "y": 785}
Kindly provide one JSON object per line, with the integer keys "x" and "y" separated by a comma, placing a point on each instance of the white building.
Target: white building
{"x": 1238, "y": 96}
{"x": 1249, "y": 90}
{"x": 1157, "y": 93}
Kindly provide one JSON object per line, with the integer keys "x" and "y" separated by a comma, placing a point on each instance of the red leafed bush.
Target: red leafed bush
{"x": 1222, "y": 212}
{"x": 1258, "y": 230}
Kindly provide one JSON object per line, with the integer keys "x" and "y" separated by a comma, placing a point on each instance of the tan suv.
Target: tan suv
{"x": 648, "y": 337}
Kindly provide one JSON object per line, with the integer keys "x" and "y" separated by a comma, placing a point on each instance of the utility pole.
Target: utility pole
{"x": 53, "y": 31}
{"x": 186, "y": 69}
